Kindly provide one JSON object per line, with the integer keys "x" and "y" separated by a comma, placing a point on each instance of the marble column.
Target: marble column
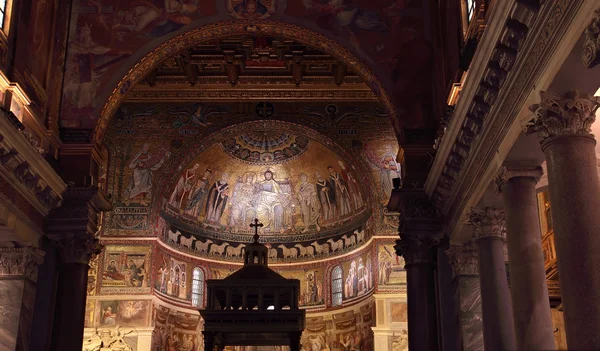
{"x": 498, "y": 325}
{"x": 73, "y": 226}
{"x": 531, "y": 304}
{"x": 563, "y": 122}
{"x": 18, "y": 277}
{"x": 420, "y": 233}
{"x": 466, "y": 275}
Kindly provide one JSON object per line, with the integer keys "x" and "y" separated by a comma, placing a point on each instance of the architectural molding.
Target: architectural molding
{"x": 464, "y": 259}
{"x": 508, "y": 172}
{"x": 24, "y": 262}
{"x": 571, "y": 113}
{"x": 558, "y": 24}
{"x": 591, "y": 45}
{"x": 145, "y": 94}
{"x": 74, "y": 248}
{"x": 487, "y": 223}
{"x": 22, "y": 166}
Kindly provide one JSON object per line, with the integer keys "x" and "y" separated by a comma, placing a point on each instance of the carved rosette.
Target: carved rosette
{"x": 508, "y": 172}
{"x": 591, "y": 44}
{"x": 416, "y": 250}
{"x": 22, "y": 261}
{"x": 556, "y": 115}
{"x": 464, "y": 259}
{"x": 487, "y": 223}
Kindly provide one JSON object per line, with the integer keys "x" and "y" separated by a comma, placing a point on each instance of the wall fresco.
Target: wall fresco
{"x": 103, "y": 35}
{"x": 172, "y": 277}
{"x": 175, "y": 330}
{"x": 123, "y": 313}
{"x": 391, "y": 272}
{"x": 126, "y": 269}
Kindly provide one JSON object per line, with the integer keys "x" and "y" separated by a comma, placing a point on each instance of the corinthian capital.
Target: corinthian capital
{"x": 512, "y": 171}
{"x": 571, "y": 113}
{"x": 416, "y": 250}
{"x": 591, "y": 45}
{"x": 487, "y": 222}
{"x": 75, "y": 248}
{"x": 464, "y": 259}
{"x": 22, "y": 261}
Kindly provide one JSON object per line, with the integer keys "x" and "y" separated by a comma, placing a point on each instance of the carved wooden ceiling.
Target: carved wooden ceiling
{"x": 251, "y": 68}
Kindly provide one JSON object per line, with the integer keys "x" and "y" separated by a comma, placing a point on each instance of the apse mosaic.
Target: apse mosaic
{"x": 228, "y": 186}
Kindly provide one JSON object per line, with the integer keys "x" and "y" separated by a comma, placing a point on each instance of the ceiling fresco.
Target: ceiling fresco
{"x": 108, "y": 37}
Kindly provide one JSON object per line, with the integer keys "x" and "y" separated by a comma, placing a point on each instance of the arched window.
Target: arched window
{"x": 336, "y": 286}
{"x": 197, "y": 287}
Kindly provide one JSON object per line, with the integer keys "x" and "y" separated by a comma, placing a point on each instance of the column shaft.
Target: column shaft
{"x": 498, "y": 327}
{"x": 575, "y": 197}
{"x": 422, "y": 314}
{"x": 70, "y": 307}
{"x": 531, "y": 305}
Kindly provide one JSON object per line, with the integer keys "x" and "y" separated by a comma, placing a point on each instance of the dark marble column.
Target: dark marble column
{"x": 498, "y": 324}
{"x": 465, "y": 266}
{"x": 531, "y": 305}
{"x": 73, "y": 226}
{"x": 18, "y": 277}
{"x": 420, "y": 232}
{"x": 563, "y": 122}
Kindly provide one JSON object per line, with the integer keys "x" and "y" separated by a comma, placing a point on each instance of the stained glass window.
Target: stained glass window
{"x": 470, "y": 9}
{"x": 336, "y": 286}
{"x": 2, "y": 12}
{"x": 197, "y": 287}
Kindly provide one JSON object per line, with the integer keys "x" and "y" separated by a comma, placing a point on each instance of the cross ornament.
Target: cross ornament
{"x": 256, "y": 225}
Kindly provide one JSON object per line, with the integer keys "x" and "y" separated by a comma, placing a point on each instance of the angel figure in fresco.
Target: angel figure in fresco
{"x": 196, "y": 197}
{"x": 385, "y": 268}
{"x": 197, "y": 115}
{"x": 342, "y": 196}
{"x": 143, "y": 164}
{"x": 184, "y": 186}
{"x": 331, "y": 113}
{"x": 250, "y": 9}
{"x": 217, "y": 199}
{"x": 309, "y": 203}
{"x": 243, "y": 201}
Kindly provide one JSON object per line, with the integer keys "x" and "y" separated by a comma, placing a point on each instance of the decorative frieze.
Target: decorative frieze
{"x": 591, "y": 44}
{"x": 507, "y": 172}
{"x": 571, "y": 113}
{"x": 487, "y": 223}
{"x": 464, "y": 259}
{"x": 24, "y": 261}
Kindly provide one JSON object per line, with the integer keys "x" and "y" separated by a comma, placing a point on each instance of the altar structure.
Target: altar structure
{"x": 254, "y": 306}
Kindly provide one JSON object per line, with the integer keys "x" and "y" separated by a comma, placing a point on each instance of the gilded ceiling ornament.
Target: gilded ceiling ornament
{"x": 487, "y": 222}
{"x": 464, "y": 259}
{"x": 571, "y": 113}
{"x": 508, "y": 172}
{"x": 591, "y": 45}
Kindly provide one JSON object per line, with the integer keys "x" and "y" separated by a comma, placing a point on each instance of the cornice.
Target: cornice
{"x": 466, "y": 170}
{"x": 143, "y": 94}
{"x": 25, "y": 169}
